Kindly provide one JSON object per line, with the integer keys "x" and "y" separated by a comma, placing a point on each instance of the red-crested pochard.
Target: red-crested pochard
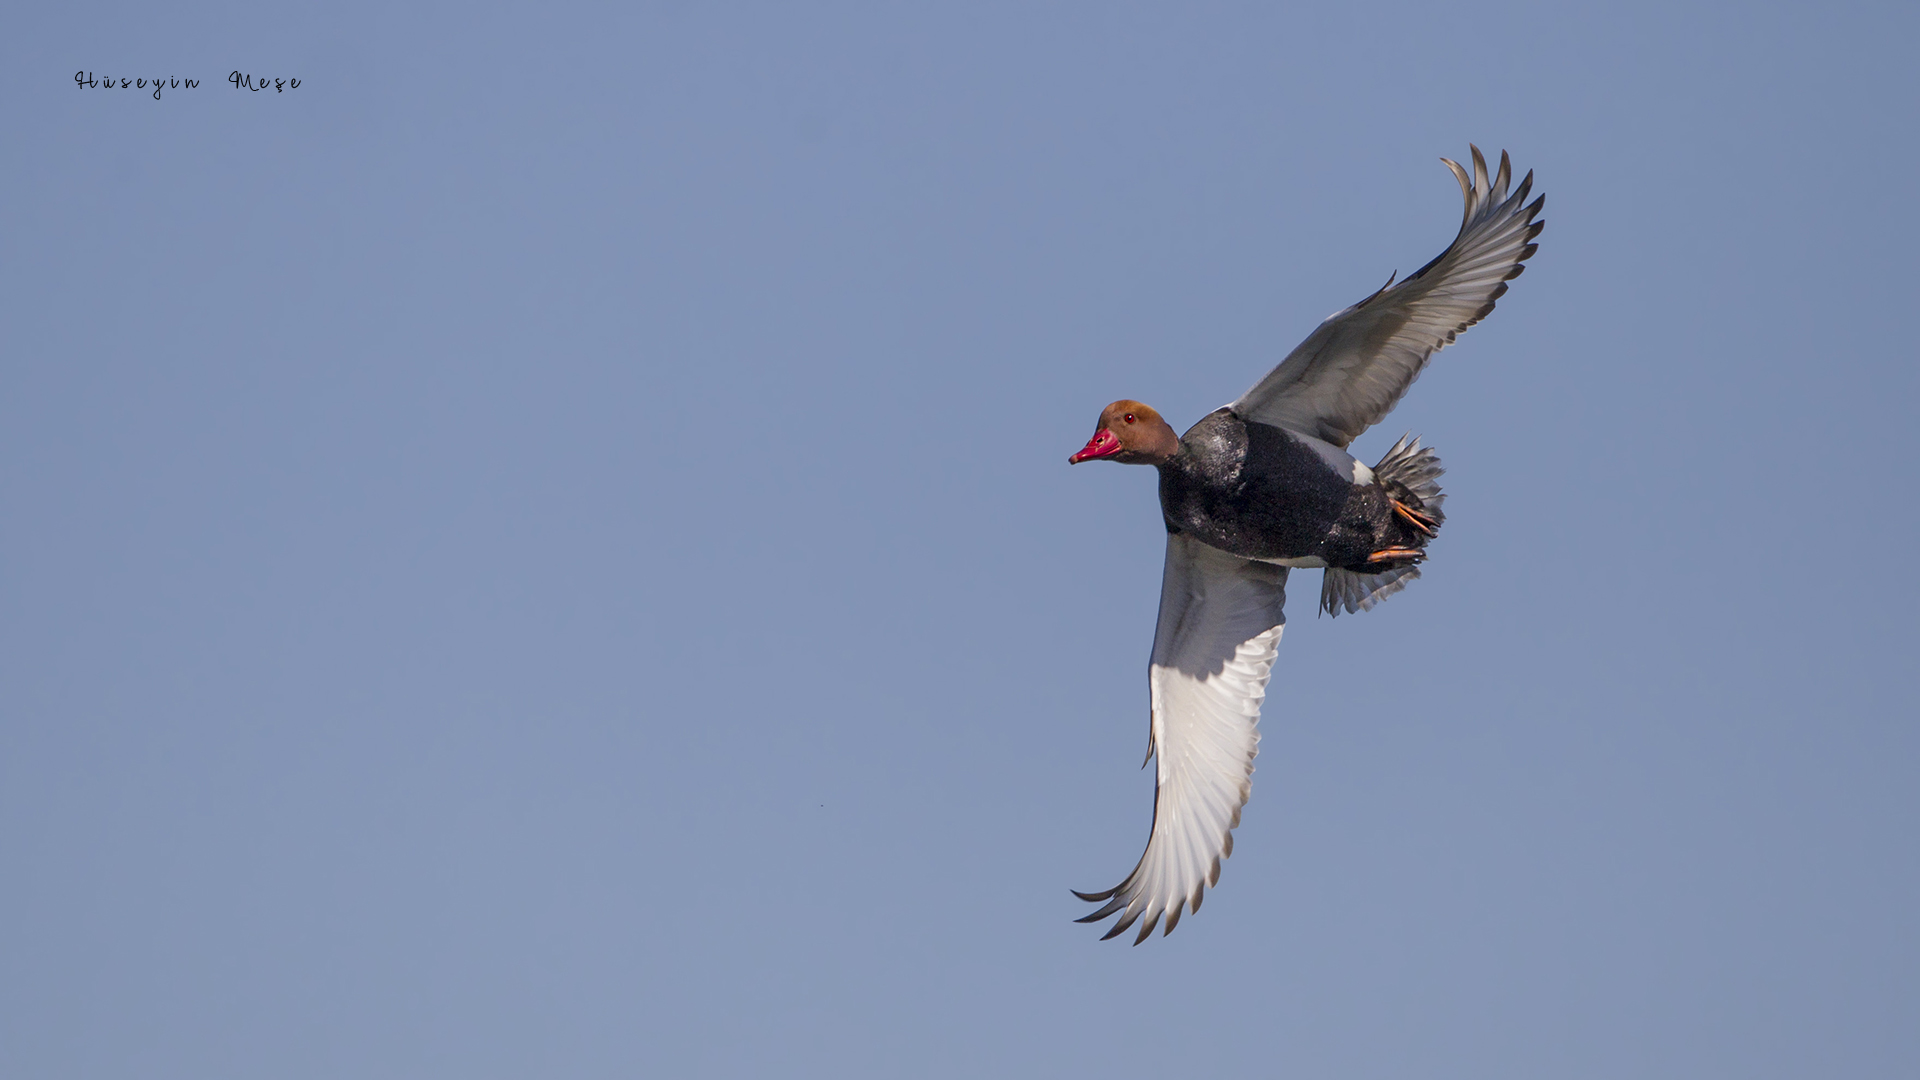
{"x": 1264, "y": 485}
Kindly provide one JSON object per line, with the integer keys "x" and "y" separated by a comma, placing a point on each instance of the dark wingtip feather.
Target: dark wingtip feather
{"x": 1479, "y": 170}
{"x": 1109, "y": 908}
{"x": 1121, "y": 927}
{"x": 1147, "y": 930}
{"x": 1466, "y": 194}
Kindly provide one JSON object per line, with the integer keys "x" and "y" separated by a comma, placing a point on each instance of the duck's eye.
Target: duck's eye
{"x": 1129, "y": 418}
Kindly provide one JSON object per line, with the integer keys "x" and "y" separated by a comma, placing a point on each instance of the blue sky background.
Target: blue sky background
{"x": 548, "y": 550}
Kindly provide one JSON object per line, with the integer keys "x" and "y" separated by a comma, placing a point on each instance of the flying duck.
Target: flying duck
{"x": 1265, "y": 485}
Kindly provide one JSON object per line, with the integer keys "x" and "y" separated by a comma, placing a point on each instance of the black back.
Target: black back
{"x": 1257, "y": 491}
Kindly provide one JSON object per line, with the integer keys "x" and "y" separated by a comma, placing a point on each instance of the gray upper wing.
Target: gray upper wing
{"x": 1352, "y": 370}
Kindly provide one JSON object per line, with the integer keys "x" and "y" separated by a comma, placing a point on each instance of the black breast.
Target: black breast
{"x": 1253, "y": 490}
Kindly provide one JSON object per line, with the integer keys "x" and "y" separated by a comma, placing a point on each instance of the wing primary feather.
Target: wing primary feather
{"x": 1466, "y": 191}
{"x": 1146, "y": 928}
{"x": 1127, "y": 920}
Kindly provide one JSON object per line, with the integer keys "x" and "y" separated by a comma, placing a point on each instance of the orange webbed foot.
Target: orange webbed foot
{"x": 1417, "y": 518}
{"x": 1396, "y": 554}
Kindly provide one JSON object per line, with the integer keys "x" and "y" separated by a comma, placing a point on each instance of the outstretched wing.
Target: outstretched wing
{"x": 1351, "y": 371}
{"x": 1220, "y": 623}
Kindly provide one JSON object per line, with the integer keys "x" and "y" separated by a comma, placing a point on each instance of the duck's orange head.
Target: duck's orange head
{"x": 1131, "y": 433}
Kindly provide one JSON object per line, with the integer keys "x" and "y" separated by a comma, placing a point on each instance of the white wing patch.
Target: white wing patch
{"x": 1220, "y": 625}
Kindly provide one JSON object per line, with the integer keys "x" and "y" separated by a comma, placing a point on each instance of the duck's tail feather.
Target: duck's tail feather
{"x": 1344, "y": 590}
{"x": 1416, "y": 470}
